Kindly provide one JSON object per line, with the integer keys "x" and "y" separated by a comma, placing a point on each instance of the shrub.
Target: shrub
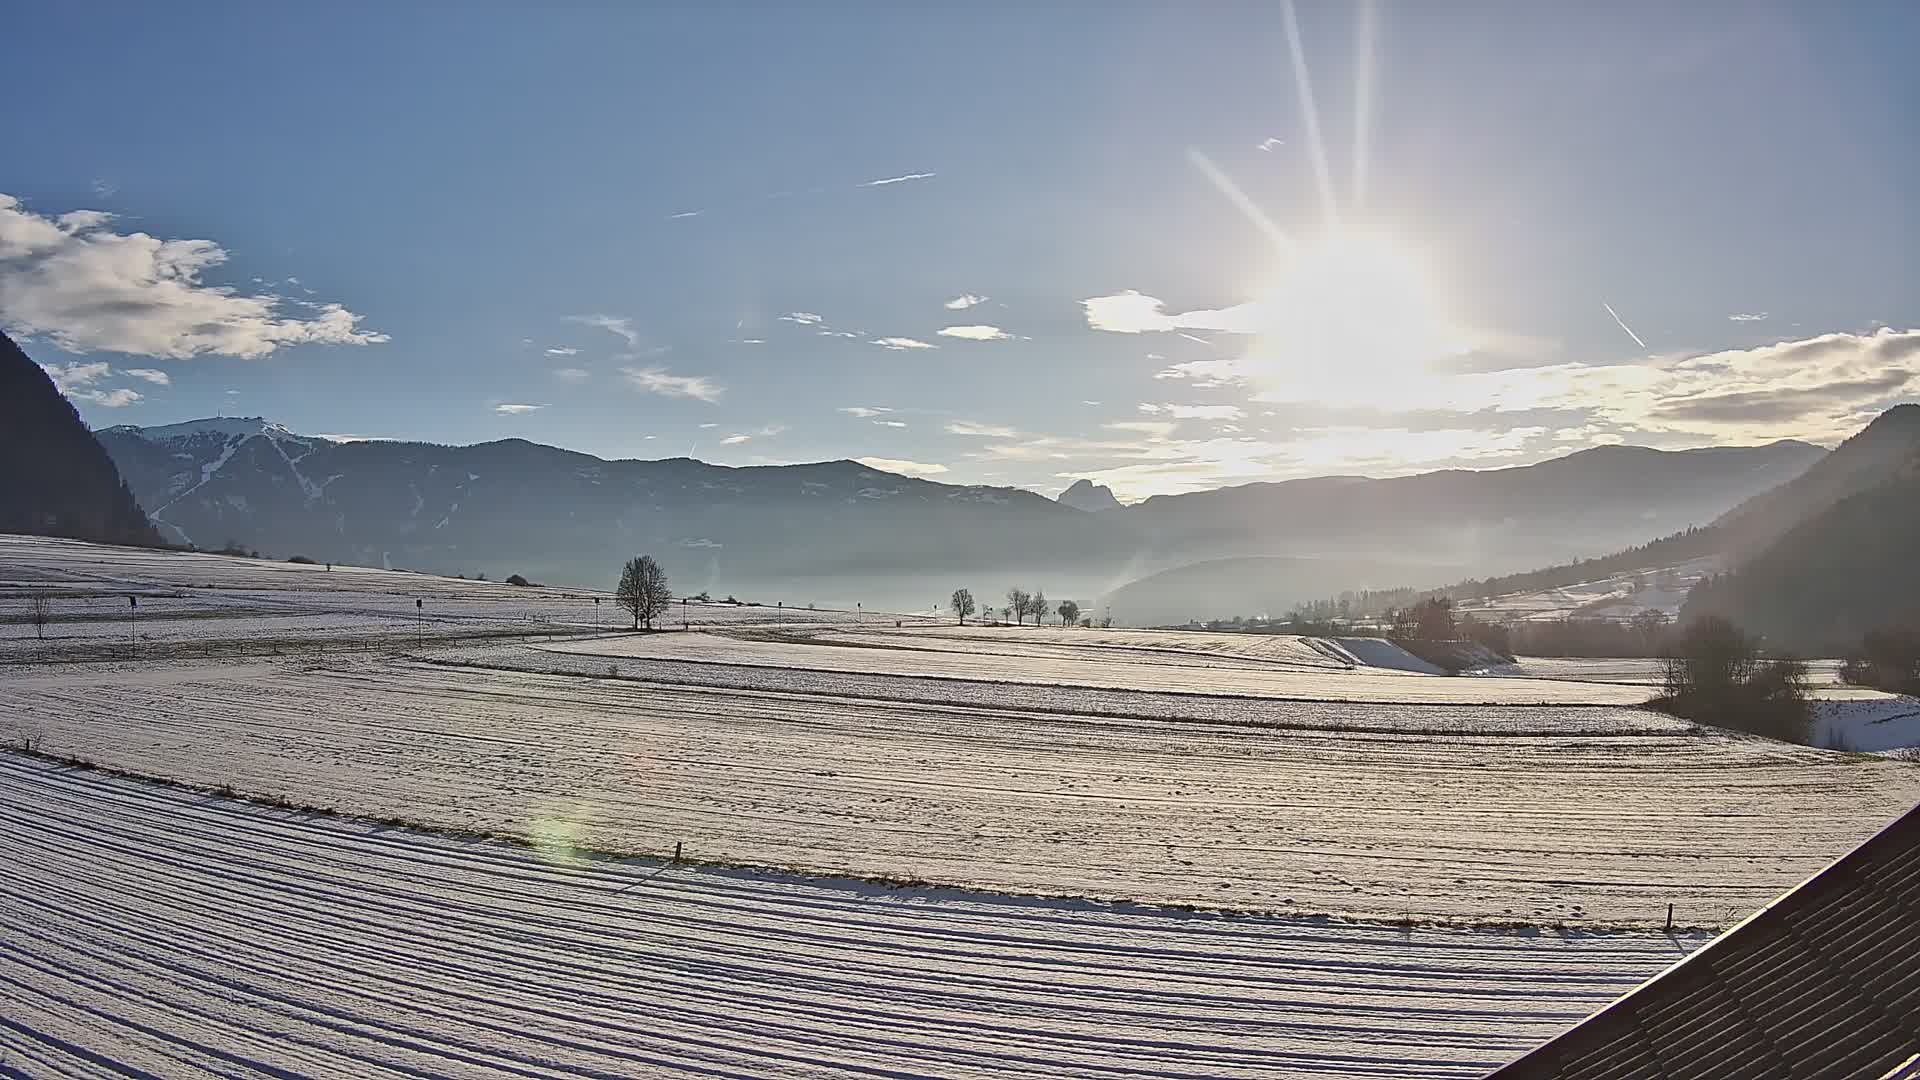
{"x": 516, "y": 579}
{"x": 301, "y": 559}
{"x": 1887, "y": 658}
{"x": 1714, "y": 675}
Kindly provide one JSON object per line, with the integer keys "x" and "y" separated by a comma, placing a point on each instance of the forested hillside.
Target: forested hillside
{"x": 55, "y": 480}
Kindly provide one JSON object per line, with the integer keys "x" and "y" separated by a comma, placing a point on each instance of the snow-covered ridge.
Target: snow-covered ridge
{"x": 224, "y": 426}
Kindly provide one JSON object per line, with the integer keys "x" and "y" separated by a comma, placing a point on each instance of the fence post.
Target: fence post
{"x": 1669, "y": 918}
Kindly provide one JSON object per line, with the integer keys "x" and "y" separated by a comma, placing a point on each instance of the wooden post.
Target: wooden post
{"x": 1669, "y": 918}
{"x": 676, "y": 851}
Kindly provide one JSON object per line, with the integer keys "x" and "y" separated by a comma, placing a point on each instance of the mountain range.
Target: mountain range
{"x": 840, "y": 532}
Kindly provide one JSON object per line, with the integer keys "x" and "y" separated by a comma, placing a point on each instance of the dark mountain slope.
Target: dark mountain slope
{"x": 1882, "y": 451}
{"x": 1584, "y": 504}
{"x": 1846, "y": 558}
{"x": 55, "y": 480}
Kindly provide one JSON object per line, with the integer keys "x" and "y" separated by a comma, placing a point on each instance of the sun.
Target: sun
{"x": 1349, "y": 316}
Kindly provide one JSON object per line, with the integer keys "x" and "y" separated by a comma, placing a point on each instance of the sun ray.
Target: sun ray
{"x": 1316, "y": 147}
{"x": 1362, "y": 100}
{"x": 1239, "y": 199}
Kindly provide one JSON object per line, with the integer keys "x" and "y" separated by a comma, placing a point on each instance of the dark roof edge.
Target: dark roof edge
{"x": 1536, "y": 1056}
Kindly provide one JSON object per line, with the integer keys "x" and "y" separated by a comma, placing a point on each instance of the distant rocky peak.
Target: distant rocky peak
{"x": 1089, "y": 496}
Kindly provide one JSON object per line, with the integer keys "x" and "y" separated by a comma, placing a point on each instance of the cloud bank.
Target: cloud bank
{"x": 75, "y": 281}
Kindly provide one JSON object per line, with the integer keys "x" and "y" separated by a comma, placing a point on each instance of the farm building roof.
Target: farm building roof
{"x": 1823, "y": 982}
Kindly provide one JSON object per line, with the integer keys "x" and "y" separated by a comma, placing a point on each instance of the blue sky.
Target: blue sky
{"x": 666, "y": 231}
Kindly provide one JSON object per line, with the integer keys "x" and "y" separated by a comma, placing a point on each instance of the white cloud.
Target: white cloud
{"x": 71, "y": 377}
{"x": 804, "y": 318}
{"x": 901, "y": 344}
{"x": 563, "y": 350}
{"x": 864, "y": 412}
{"x": 891, "y": 423}
{"x": 902, "y": 466}
{"x": 899, "y": 179}
{"x": 77, "y": 382}
{"x": 612, "y": 324}
{"x": 656, "y": 380}
{"x": 87, "y": 288}
{"x": 682, "y": 215}
{"x": 975, "y": 333}
{"x": 1205, "y": 374}
{"x": 1131, "y": 312}
{"x": 109, "y": 399}
{"x": 740, "y": 437}
{"x": 571, "y": 374}
{"x": 152, "y": 375}
{"x": 1747, "y": 317}
{"x": 1270, "y": 144}
{"x": 1204, "y": 412}
{"x": 840, "y": 333}
{"x": 988, "y": 431}
{"x": 512, "y": 409}
{"x": 1820, "y": 388}
{"x": 964, "y": 301}
{"x": 1157, "y": 428}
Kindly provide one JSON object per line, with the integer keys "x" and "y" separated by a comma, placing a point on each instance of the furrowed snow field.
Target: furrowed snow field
{"x": 1164, "y": 837}
{"x": 1424, "y": 811}
{"x": 159, "y": 932}
{"x": 1102, "y": 669}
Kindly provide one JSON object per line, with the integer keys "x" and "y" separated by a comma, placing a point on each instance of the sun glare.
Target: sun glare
{"x": 1349, "y": 317}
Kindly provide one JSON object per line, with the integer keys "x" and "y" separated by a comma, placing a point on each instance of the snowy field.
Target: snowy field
{"x": 1161, "y": 837}
{"x": 155, "y": 932}
{"x": 1472, "y": 814}
{"x": 1618, "y": 596}
{"x": 1010, "y": 660}
{"x": 189, "y": 602}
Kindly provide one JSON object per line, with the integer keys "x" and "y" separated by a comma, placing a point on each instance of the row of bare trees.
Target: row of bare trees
{"x": 1020, "y": 604}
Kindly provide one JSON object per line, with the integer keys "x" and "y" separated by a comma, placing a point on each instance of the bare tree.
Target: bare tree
{"x": 1069, "y": 613}
{"x": 962, "y": 604}
{"x": 1018, "y": 601}
{"x": 1037, "y": 606}
{"x": 40, "y": 610}
{"x": 643, "y": 590}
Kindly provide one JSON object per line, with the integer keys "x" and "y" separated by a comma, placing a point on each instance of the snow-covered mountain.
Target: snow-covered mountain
{"x": 838, "y": 531}
{"x": 555, "y": 515}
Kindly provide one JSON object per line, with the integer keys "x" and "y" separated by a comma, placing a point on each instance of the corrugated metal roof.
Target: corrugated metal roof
{"x": 1824, "y": 982}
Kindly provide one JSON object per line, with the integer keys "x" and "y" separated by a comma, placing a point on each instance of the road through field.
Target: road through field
{"x": 148, "y": 931}
{"x": 1509, "y": 814}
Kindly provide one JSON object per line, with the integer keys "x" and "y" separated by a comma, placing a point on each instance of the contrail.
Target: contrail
{"x": 1239, "y": 199}
{"x": 898, "y": 179}
{"x": 1623, "y": 324}
{"x": 1315, "y": 145}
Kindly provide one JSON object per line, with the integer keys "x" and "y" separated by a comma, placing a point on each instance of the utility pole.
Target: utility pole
{"x": 421, "y": 638}
{"x": 596, "y": 614}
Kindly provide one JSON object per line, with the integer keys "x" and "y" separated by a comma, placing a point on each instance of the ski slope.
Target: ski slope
{"x": 150, "y": 931}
